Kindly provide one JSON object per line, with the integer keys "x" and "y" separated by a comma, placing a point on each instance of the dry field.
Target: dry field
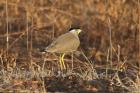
{"x": 107, "y": 60}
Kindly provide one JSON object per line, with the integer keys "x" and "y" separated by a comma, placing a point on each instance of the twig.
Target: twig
{"x": 7, "y": 30}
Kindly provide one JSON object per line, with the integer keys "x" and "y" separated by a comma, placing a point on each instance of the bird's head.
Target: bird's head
{"x": 75, "y": 30}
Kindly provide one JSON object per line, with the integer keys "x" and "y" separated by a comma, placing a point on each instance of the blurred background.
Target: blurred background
{"x": 30, "y": 25}
{"x": 110, "y": 31}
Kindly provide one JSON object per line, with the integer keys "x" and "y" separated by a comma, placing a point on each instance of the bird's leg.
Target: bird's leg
{"x": 72, "y": 60}
{"x": 63, "y": 61}
{"x": 60, "y": 60}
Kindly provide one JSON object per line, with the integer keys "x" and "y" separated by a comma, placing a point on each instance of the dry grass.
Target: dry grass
{"x": 106, "y": 61}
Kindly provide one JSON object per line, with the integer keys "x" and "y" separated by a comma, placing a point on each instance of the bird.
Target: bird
{"x": 65, "y": 43}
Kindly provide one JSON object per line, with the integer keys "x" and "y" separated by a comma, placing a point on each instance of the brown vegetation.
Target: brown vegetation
{"x": 107, "y": 60}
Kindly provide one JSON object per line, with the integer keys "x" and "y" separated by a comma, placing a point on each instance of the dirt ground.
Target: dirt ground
{"x": 107, "y": 60}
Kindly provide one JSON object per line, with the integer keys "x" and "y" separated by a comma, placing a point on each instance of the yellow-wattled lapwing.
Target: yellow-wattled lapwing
{"x": 65, "y": 43}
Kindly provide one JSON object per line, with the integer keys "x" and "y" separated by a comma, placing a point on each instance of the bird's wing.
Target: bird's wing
{"x": 63, "y": 43}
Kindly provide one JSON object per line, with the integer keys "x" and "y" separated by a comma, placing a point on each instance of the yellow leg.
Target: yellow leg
{"x": 61, "y": 66}
{"x": 62, "y": 60}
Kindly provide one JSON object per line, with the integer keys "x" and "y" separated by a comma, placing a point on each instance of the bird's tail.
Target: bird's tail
{"x": 47, "y": 49}
{"x": 43, "y": 50}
